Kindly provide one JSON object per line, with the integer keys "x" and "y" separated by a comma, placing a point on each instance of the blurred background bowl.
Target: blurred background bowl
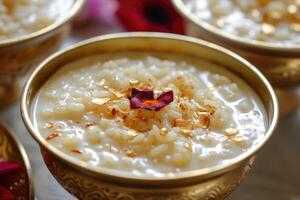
{"x": 279, "y": 63}
{"x": 19, "y": 55}
{"x": 87, "y": 182}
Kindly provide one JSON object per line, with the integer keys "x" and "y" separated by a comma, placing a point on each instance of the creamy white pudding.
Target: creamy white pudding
{"x": 86, "y": 110}
{"x": 274, "y": 21}
{"x": 22, "y": 17}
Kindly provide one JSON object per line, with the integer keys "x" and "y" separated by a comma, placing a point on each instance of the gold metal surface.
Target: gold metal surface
{"x": 87, "y": 182}
{"x": 12, "y": 150}
{"x": 18, "y": 55}
{"x": 280, "y": 63}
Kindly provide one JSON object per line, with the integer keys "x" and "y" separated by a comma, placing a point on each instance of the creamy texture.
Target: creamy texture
{"x": 83, "y": 110}
{"x": 22, "y": 17}
{"x": 274, "y": 21}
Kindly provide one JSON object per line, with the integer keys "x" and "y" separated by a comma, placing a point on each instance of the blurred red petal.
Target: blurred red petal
{"x": 5, "y": 194}
{"x": 9, "y": 167}
{"x": 150, "y": 15}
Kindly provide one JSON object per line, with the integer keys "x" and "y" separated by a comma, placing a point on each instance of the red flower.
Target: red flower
{"x": 7, "y": 170}
{"x": 150, "y": 15}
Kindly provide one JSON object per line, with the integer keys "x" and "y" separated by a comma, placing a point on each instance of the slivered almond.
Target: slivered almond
{"x": 100, "y": 101}
{"x": 130, "y": 153}
{"x": 186, "y": 133}
{"x": 116, "y": 93}
{"x": 231, "y": 132}
{"x": 49, "y": 125}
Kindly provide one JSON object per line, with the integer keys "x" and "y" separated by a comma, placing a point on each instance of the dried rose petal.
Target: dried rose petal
{"x": 142, "y": 94}
{"x": 145, "y": 99}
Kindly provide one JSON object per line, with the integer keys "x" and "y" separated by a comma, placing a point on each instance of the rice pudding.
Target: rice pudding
{"x": 198, "y": 114}
{"x": 22, "y": 17}
{"x": 274, "y": 21}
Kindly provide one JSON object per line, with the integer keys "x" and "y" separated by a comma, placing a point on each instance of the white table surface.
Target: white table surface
{"x": 275, "y": 176}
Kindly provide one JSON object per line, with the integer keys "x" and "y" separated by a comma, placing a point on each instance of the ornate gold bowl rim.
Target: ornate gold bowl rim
{"x": 126, "y": 176}
{"x": 21, "y": 150}
{"x": 233, "y": 39}
{"x": 77, "y": 5}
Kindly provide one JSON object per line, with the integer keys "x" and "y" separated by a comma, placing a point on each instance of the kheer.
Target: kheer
{"x": 85, "y": 110}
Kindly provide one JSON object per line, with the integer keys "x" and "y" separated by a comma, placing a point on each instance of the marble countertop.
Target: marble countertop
{"x": 275, "y": 175}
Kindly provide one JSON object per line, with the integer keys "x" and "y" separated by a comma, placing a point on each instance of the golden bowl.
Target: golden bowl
{"x": 19, "y": 54}
{"x": 11, "y": 149}
{"x": 101, "y": 183}
{"x": 280, "y": 64}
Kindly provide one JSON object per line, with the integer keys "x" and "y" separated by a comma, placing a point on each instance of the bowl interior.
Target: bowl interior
{"x": 76, "y": 7}
{"x": 240, "y": 42}
{"x": 154, "y": 42}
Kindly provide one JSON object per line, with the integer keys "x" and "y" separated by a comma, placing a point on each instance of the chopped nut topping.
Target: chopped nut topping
{"x": 89, "y": 124}
{"x": 49, "y": 125}
{"x": 182, "y": 106}
{"x": 186, "y": 133}
{"x": 114, "y": 111}
{"x": 183, "y": 123}
{"x": 203, "y": 119}
{"x": 117, "y": 93}
{"x": 53, "y": 135}
{"x": 231, "y": 132}
{"x": 239, "y": 141}
{"x": 163, "y": 131}
{"x": 132, "y": 133}
{"x": 211, "y": 109}
{"x": 130, "y": 153}
{"x": 100, "y": 101}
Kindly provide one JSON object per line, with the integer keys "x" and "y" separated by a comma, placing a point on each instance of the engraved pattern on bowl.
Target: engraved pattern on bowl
{"x": 88, "y": 188}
